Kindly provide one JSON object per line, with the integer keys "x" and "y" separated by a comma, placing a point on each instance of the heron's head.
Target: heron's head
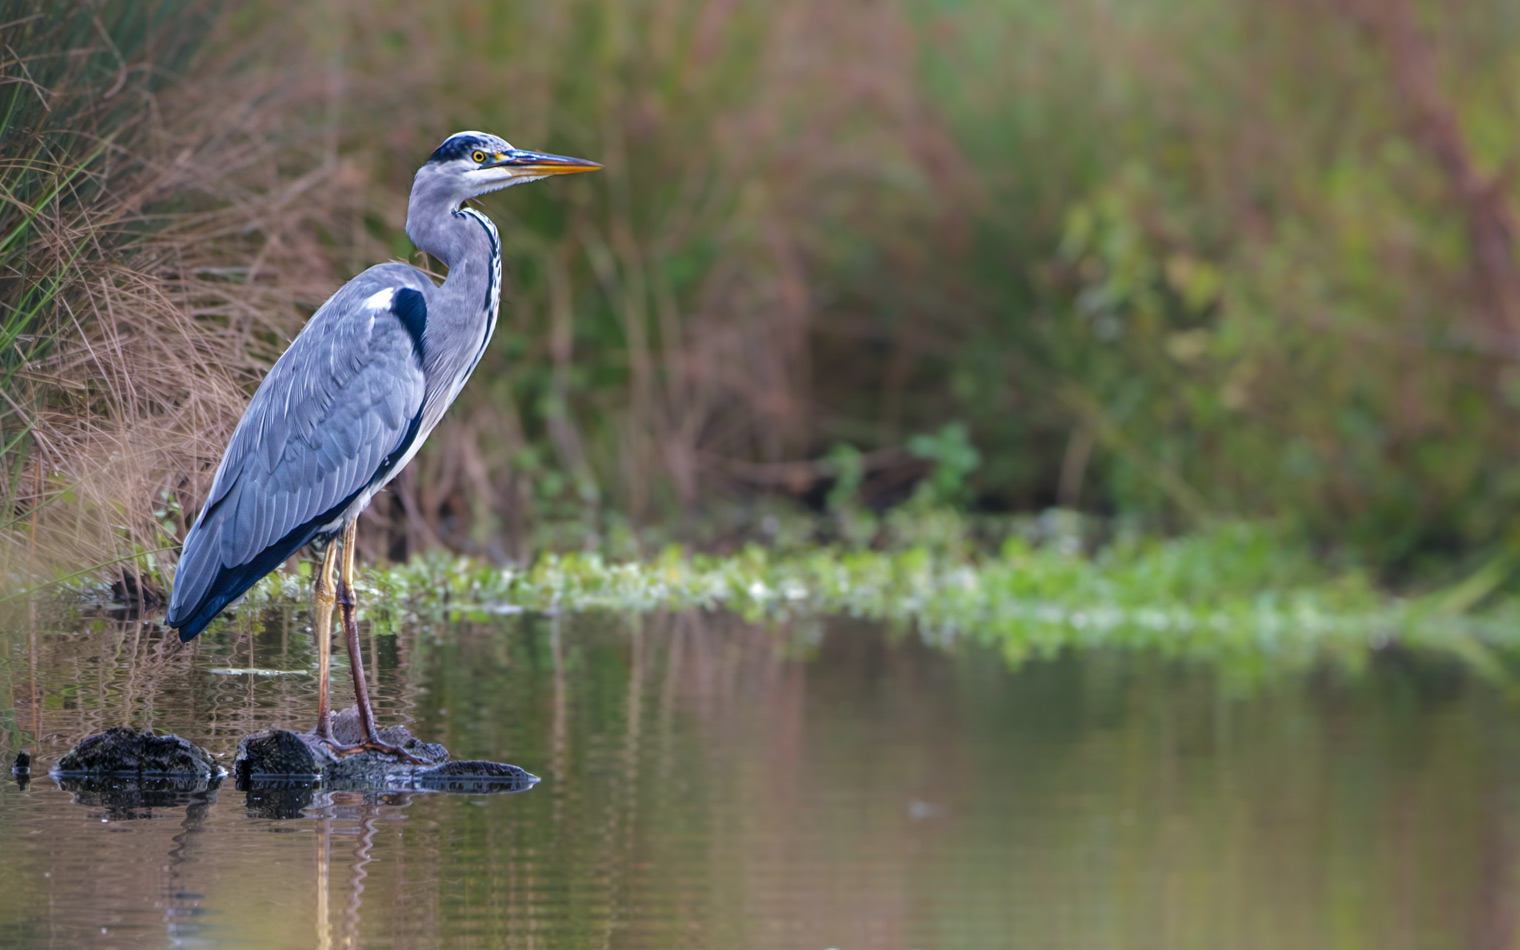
{"x": 468, "y": 164}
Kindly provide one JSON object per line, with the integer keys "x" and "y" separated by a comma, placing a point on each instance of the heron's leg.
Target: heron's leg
{"x": 321, "y": 628}
{"x": 346, "y": 600}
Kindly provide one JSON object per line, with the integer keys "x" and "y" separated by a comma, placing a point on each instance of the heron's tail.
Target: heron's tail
{"x": 203, "y": 585}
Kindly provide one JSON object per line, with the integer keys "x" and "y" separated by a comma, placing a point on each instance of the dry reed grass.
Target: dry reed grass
{"x": 203, "y": 249}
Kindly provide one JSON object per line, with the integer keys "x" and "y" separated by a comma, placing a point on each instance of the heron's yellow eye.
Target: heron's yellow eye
{"x": 479, "y": 156}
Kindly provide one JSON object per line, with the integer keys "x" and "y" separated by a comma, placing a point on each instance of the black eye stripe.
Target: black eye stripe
{"x": 460, "y": 147}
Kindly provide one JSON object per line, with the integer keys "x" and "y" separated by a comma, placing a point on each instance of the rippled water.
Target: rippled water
{"x": 709, "y": 782}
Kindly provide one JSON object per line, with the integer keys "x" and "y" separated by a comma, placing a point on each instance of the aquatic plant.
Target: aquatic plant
{"x": 1234, "y": 589}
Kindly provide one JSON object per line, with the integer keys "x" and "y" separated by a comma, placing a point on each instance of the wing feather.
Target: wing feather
{"x": 342, "y": 400}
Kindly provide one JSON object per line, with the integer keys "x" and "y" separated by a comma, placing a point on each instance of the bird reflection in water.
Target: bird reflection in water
{"x": 344, "y": 822}
{"x": 351, "y": 815}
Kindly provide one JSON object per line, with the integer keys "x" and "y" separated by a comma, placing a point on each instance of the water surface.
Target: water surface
{"x": 710, "y": 782}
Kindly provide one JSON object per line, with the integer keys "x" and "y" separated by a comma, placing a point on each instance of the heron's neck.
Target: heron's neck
{"x": 464, "y": 310}
{"x": 457, "y": 236}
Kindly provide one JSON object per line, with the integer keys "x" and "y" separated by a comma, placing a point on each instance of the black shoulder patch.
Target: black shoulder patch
{"x": 411, "y": 308}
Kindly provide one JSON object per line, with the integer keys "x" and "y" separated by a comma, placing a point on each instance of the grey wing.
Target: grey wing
{"x": 335, "y": 415}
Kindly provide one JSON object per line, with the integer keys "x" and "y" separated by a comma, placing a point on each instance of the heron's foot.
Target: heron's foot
{"x": 373, "y": 745}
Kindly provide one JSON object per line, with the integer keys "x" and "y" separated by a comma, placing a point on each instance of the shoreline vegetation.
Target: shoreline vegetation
{"x": 1237, "y": 594}
{"x": 1177, "y": 264}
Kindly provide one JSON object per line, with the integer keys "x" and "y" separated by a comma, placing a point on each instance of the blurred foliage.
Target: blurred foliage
{"x": 1178, "y": 259}
{"x": 954, "y": 460}
{"x": 1177, "y": 262}
{"x": 1221, "y": 265}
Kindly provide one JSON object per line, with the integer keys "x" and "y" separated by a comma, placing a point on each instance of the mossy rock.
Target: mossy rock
{"x": 278, "y": 756}
{"x": 124, "y": 751}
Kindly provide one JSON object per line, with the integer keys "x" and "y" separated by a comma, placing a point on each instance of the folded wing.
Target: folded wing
{"x": 327, "y": 426}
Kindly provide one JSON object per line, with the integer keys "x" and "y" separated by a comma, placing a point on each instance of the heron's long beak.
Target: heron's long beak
{"x": 542, "y": 163}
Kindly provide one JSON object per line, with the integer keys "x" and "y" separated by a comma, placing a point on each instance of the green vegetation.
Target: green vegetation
{"x": 1232, "y": 593}
{"x": 1175, "y": 262}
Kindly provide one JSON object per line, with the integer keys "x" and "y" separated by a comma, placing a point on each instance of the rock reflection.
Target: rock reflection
{"x": 122, "y": 799}
{"x": 279, "y": 800}
{"x": 180, "y": 900}
{"x": 282, "y": 799}
{"x": 343, "y": 823}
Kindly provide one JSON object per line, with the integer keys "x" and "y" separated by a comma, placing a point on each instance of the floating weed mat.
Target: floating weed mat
{"x": 1233, "y": 592}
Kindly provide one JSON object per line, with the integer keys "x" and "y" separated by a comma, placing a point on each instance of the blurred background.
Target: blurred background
{"x": 1170, "y": 262}
{"x": 1232, "y": 285}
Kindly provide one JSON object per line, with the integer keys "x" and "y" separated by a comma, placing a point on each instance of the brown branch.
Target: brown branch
{"x": 799, "y": 475}
{"x": 1491, "y": 225}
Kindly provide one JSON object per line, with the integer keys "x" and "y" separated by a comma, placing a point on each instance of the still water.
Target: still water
{"x": 710, "y": 782}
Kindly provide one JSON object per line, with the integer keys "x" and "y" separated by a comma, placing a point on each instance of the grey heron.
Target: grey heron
{"x": 351, "y": 401}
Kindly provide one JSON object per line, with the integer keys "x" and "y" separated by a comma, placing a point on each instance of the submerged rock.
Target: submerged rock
{"x": 277, "y": 756}
{"x": 122, "y": 751}
{"x": 279, "y": 798}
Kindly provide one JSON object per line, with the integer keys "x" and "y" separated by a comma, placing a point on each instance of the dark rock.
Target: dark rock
{"x": 124, "y": 751}
{"x": 282, "y": 754}
{"x": 468, "y": 776}
{"x": 290, "y": 761}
